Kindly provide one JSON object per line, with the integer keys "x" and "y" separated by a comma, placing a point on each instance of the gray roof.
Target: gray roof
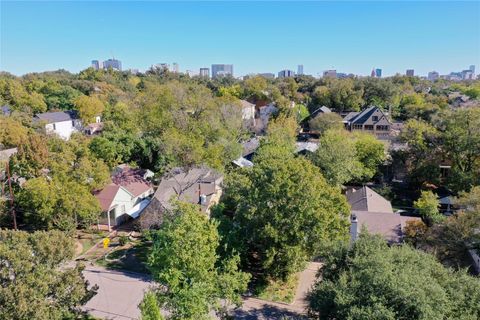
{"x": 365, "y": 199}
{"x": 363, "y": 116}
{"x": 388, "y": 225}
{"x": 7, "y": 153}
{"x": 188, "y": 185}
{"x": 51, "y": 117}
{"x": 250, "y": 146}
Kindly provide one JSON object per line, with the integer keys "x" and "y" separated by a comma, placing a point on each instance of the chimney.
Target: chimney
{"x": 353, "y": 228}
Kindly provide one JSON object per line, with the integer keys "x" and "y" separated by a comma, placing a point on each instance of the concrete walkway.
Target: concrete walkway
{"x": 257, "y": 309}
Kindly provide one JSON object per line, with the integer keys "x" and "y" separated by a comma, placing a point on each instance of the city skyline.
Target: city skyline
{"x": 346, "y": 38}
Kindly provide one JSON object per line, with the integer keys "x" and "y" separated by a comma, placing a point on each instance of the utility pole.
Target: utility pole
{"x": 14, "y": 215}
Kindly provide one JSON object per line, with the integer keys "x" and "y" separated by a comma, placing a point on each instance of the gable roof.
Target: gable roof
{"x": 365, "y": 199}
{"x": 363, "y": 116}
{"x": 107, "y": 195}
{"x": 51, "y": 117}
{"x": 388, "y": 225}
{"x": 188, "y": 186}
{"x": 131, "y": 179}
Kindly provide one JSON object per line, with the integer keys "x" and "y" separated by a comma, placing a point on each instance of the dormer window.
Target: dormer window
{"x": 375, "y": 118}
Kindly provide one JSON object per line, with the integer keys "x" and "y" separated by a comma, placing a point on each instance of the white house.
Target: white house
{"x": 248, "y": 112}
{"x": 62, "y": 123}
{"x": 126, "y": 197}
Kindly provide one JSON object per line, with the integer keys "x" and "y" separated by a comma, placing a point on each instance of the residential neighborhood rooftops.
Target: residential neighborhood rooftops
{"x": 107, "y": 195}
{"x": 132, "y": 179}
{"x": 365, "y": 199}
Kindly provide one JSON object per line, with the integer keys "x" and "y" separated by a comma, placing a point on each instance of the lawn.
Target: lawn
{"x": 279, "y": 291}
{"x": 88, "y": 240}
{"x": 131, "y": 257}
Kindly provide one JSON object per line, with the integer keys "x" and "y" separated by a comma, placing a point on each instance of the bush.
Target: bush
{"x": 123, "y": 240}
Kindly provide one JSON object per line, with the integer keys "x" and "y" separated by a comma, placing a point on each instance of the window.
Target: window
{"x": 368, "y": 127}
{"x": 383, "y": 128}
{"x": 357, "y": 127}
{"x": 375, "y": 118}
{"x": 54, "y": 127}
{"x": 73, "y": 123}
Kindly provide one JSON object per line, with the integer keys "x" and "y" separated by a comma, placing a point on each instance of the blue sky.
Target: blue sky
{"x": 254, "y": 36}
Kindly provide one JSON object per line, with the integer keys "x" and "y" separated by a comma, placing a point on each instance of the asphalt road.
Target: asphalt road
{"x": 118, "y": 295}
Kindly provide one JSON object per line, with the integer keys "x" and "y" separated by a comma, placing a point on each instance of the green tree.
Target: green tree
{"x": 374, "y": 281}
{"x": 184, "y": 260}
{"x": 149, "y": 307}
{"x": 341, "y": 95}
{"x": 282, "y": 210}
{"x": 35, "y": 282}
{"x": 370, "y": 153}
{"x": 12, "y": 132}
{"x": 88, "y": 108}
{"x": 427, "y": 206}
{"x": 337, "y": 157}
{"x": 326, "y": 121}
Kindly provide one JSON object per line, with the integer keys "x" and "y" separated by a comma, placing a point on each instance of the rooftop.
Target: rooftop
{"x": 365, "y": 199}
{"x": 51, "y": 117}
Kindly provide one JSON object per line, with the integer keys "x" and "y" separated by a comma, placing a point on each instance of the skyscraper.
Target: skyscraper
{"x": 433, "y": 75}
{"x": 378, "y": 73}
{"x": 410, "y": 72}
{"x": 472, "y": 68}
{"x": 175, "y": 68}
{"x": 96, "y": 64}
{"x": 286, "y": 74}
{"x": 113, "y": 63}
{"x": 330, "y": 74}
{"x": 221, "y": 70}
{"x": 372, "y": 74}
{"x": 205, "y": 72}
{"x": 300, "y": 69}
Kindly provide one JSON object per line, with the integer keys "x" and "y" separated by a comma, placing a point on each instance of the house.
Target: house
{"x": 249, "y": 148}
{"x": 304, "y": 148}
{"x": 199, "y": 185}
{"x": 306, "y": 122}
{"x": 375, "y": 213}
{"x": 126, "y": 197}
{"x": 263, "y": 116}
{"x": 65, "y": 123}
{"x": 372, "y": 120}
{"x": 248, "y": 113}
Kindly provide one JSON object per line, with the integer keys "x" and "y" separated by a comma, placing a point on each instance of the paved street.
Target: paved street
{"x": 118, "y": 295}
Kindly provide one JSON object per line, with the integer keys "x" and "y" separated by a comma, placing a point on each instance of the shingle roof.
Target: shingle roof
{"x": 363, "y": 116}
{"x": 365, "y": 199}
{"x": 106, "y": 195}
{"x": 60, "y": 116}
{"x": 131, "y": 179}
{"x": 388, "y": 225}
{"x": 188, "y": 185}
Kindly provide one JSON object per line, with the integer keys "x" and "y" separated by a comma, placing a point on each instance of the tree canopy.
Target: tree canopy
{"x": 184, "y": 260}
{"x": 33, "y": 283}
{"x": 374, "y": 281}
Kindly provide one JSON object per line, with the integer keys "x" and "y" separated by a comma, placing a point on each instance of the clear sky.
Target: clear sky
{"x": 253, "y": 36}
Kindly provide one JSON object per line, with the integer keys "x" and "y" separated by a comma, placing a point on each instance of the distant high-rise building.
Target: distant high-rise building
{"x": 96, "y": 64}
{"x": 205, "y": 72}
{"x": 221, "y": 70}
{"x": 330, "y": 74}
{"x": 300, "y": 69}
{"x": 267, "y": 75}
{"x": 112, "y": 63}
{"x": 410, "y": 72}
{"x": 378, "y": 73}
{"x": 175, "y": 68}
{"x": 286, "y": 74}
{"x": 433, "y": 75}
{"x": 467, "y": 75}
{"x": 472, "y": 68}
{"x": 372, "y": 74}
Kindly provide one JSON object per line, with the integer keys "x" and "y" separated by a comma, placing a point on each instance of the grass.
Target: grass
{"x": 89, "y": 239}
{"x": 130, "y": 257}
{"x": 279, "y": 291}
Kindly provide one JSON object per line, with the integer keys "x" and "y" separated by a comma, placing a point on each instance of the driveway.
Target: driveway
{"x": 118, "y": 295}
{"x": 257, "y": 309}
